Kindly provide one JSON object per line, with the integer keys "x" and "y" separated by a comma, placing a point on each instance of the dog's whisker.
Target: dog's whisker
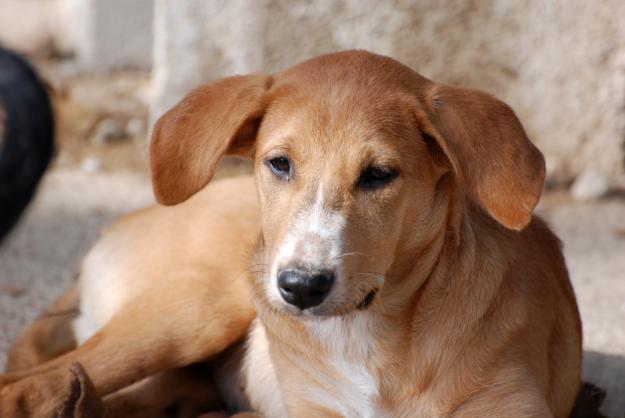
{"x": 374, "y": 275}
{"x": 370, "y": 272}
{"x": 368, "y": 287}
{"x": 349, "y": 254}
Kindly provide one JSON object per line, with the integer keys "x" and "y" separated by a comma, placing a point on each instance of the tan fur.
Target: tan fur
{"x": 474, "y": 313}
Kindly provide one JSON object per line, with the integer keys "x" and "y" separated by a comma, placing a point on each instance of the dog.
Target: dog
{"x": 382, "y": 261}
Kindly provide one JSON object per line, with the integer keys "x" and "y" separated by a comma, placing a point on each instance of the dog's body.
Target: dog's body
{"x": 386, "y": 239}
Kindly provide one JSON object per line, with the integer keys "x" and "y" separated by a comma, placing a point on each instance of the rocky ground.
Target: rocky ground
{"x": 101, "y": 171}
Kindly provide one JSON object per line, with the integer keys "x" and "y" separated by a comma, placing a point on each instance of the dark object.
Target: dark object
{"x": 26, "y": 136}
{"x": 588, "y": 402}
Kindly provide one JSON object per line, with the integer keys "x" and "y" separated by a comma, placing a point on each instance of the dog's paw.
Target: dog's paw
{"x": 58, "y": 393}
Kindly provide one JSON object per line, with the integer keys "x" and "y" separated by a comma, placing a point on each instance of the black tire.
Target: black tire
{"x": 27, "y": 145}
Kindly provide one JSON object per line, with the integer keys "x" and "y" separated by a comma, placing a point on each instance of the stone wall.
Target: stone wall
{"x": 559, "y": 64}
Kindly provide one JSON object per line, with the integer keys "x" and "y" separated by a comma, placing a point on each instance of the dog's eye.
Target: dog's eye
{"x": 374, "y": 177}
{"x": 280, "y": 166}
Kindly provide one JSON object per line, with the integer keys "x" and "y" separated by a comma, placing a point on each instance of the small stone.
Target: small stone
{"x": 91, "y": 165}
{"x": 135, "y": 127}
{"x": 107, "y": 131}
{"x": 555, "y": 176}
{"x": 13, "y": 291}
{"x": 590, "y": 184}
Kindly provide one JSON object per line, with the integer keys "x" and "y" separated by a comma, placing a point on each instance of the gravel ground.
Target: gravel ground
{"x": 43, "y": 254}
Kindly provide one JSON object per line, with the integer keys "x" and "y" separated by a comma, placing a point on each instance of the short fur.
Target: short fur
{"x": 473, "y": 311}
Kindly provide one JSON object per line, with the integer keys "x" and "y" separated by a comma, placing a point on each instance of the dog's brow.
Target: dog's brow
{"x": 282, "y": 147}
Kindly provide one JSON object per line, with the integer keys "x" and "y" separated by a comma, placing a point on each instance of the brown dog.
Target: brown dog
{"x": 386, "y": 237}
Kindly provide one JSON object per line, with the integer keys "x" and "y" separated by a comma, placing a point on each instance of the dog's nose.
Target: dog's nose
{"x": 302, "y": 289}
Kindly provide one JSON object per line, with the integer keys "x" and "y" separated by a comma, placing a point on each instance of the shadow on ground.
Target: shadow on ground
{"x": 607, "y": 372}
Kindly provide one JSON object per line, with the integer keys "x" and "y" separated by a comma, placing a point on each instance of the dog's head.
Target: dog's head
{"x": 360, "y": 164}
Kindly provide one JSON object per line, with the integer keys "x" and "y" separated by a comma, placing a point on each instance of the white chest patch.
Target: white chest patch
{"x": 350, "y": 346}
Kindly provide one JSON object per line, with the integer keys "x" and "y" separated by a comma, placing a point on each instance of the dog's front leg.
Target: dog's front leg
{"x": 154, "y": 333}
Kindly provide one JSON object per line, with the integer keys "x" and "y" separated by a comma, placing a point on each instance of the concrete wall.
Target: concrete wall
{"x": 559, "y": 64}
{"x": 114, "y": 34}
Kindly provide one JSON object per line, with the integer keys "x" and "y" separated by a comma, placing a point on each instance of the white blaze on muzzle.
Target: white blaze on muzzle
{"x": 313, "y": 242}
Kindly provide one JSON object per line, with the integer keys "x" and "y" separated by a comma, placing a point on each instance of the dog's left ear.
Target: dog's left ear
{"x": 219, "y": 118}
{"x": 496, "y": 164}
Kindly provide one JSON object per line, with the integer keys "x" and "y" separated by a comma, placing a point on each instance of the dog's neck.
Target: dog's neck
{"x": 339, "y": 360}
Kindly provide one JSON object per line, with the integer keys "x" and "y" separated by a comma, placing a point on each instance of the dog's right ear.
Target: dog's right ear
{"x": 216, "y": 119}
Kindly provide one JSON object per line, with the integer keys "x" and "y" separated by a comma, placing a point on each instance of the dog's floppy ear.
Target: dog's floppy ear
{"x": 497, "y": 165}
{"x": 216, "y": 119}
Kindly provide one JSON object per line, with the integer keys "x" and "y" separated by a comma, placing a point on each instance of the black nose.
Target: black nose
{"x": 302, "y": 289}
